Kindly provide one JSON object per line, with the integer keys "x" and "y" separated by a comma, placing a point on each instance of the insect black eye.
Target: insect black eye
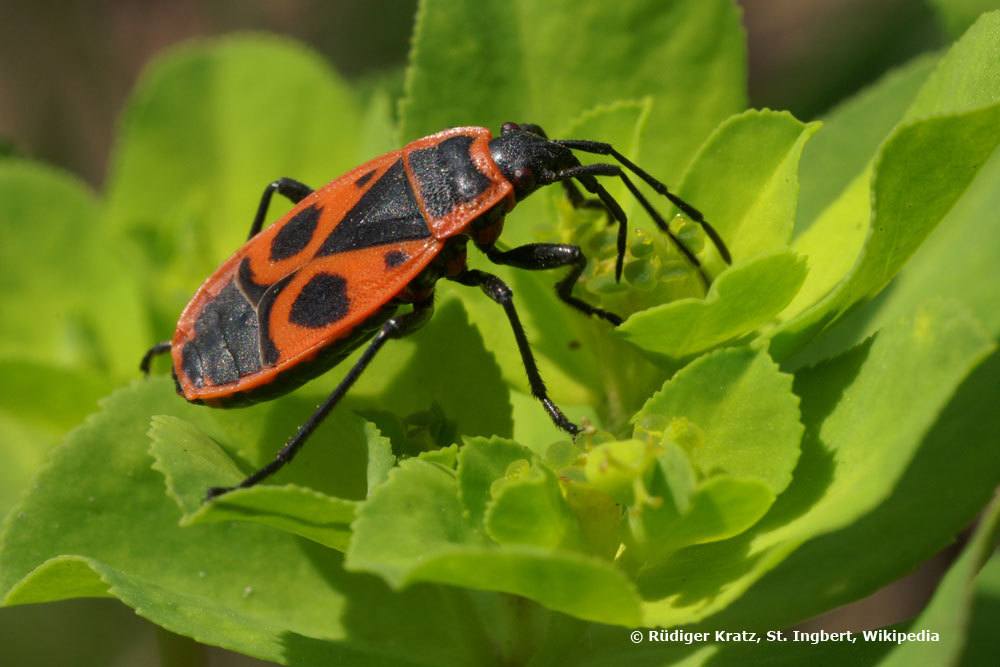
{"x": 524, "y": 178}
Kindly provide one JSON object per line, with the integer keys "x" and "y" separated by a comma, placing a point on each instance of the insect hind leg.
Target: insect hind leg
{"x": 497, "y": 289}
{"x": 580, "y": 200}
{"x": 395, "y": 327}
{"x": 289, "y": 188}
{"x": 147, "y": 359}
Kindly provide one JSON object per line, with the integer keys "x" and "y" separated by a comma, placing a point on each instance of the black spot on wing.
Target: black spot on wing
{"x": 367, "y": 176}
{"x": 268, "y": 351}
{"x": 386, "y": 213}
{"x": 225, "y": 345}
{"x": 394, "y": 258}
{"x": 322, "y": 301}
{"x": 447, "y": 175}
{"x": 295, "y": 235}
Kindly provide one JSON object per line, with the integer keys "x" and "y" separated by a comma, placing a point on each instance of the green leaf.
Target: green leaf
{"x": 733, "y": 416}
{"x": 65, "y": 302}
{"x": 949, "y": 611}
{"x": 380, "y": 457}
{"x": 719, "y": 508}
{"x": 532, "y": 425}
{"x": 415, "y": 513}
{"x": 852, "y": 134}
{"x": 948, "y": 614}
{"x": 38, "y": 404}
{"x": 208, "y": 126}
{"x": 444, "y": 364}
{"x": 481, "y": 462}
{"x": 836, "y": 509}
{"x": 950, "y": 264}
{"x": 414, "y": 528}
{"x": 192, "y": 463}
{"x": 745, "y": 181}
{"x": 734, "y": 413}
{"x": 921, "y": 171}
{"x": 911, "y": 196}
{"x": 97, "y": 521}
{"x": 982, "y": 642}
{"x": 527, "y": 508}
{"x": 958, "y": 15}
{"x": 740, "y": 300}
{"x": 293, "y": 509}
{"x": 489, "y": 62}
{"x": 966, "y": 77}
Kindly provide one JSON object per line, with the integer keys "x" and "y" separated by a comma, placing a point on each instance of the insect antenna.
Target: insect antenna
{"x": 600, "y": 148}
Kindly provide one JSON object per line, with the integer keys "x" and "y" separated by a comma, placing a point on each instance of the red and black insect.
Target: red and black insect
{"x": 333, "y": 273}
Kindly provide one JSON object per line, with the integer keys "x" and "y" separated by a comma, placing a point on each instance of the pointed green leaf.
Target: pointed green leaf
{"x": 858, "y": 245}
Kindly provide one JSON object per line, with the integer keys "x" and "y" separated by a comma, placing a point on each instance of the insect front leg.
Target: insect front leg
{"x": 289, "y": 188}
{"x": 580, "y": 200}
{"x": 497, "y": 289}
{"x": 542, "y": 256}
{"x": 395, "y": 327}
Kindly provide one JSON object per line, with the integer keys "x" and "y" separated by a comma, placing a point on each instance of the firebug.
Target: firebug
{"x": 335, "y": 272}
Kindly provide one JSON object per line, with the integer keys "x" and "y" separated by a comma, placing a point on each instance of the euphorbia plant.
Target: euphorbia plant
{"x": 782, "y": 444}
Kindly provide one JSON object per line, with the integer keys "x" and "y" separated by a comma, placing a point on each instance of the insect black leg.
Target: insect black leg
{"x": 586, "y": 175}
{"x": 579, "y": 200}
{"x": 395, "y": 327}
{"x": 498, "y": 290}
{"x": 287, "y": 187}
{"x": 541, "y": 256}
{"x": 156, "y": 350}
{"x": 600, "y": 148}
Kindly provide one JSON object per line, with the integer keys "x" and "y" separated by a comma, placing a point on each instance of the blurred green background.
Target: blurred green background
{"x": 66, "y": 68}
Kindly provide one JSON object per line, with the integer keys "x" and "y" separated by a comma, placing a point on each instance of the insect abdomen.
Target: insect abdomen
{"x": 226, "y": 342}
